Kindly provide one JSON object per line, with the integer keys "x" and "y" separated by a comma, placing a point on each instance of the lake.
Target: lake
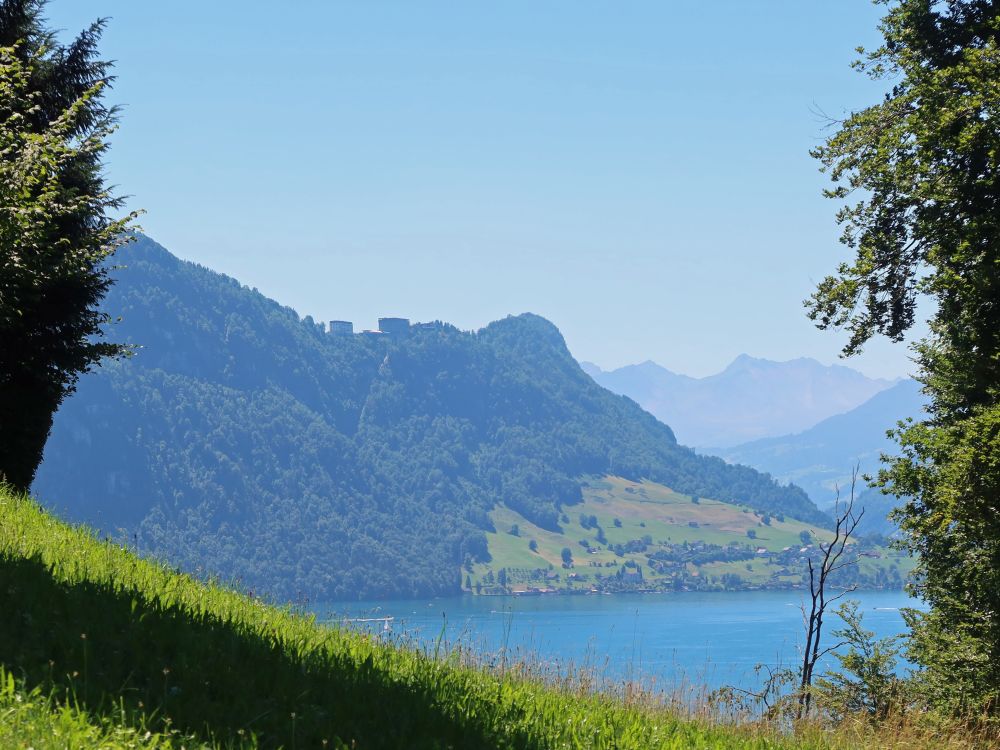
{"x": 672, "y": 640}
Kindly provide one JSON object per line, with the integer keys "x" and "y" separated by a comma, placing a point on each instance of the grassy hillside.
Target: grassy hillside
{"x": 623, "y": 526}
{"x": 133, "y": 644}
{"x": 32, "y": 719}
{"x": 100, "y": 648}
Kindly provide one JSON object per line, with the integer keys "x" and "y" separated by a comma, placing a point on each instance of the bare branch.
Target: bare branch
{"x": 830, "y": 649}
{"x": 846, "y": 523}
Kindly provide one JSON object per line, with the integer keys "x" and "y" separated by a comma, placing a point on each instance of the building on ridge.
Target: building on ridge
{"x": 394, "y": 326}
{"x": 341, "y": 328}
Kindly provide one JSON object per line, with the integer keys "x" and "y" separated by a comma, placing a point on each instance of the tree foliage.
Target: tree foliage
{"x": 55, "y": 229}
{"x": 867, "y": 684}
{"x": 924, "y": 167}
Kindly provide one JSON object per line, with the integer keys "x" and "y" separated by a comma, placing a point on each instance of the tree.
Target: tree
{"x": 55, "y": 229}
{"x": 567, "y": 557}
{"x": 868, "y": 685}
{"x": 533, "y": 545}
{"x": 831, "y": 560}
{"x": 926, "y": 162}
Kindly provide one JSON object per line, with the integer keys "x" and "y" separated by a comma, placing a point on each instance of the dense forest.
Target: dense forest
{"x": 246, "y": 442}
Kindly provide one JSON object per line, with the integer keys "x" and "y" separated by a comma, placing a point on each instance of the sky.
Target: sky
{"x": 636, "y": 172}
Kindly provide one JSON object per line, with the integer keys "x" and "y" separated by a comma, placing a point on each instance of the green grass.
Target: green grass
{"x": 134, "y": 647}
{"x": 646, "y": 508}
{"x": 29, "y": 719}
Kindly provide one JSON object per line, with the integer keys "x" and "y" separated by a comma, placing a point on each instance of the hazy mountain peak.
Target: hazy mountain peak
{"x": 744, "y": 359}
{"x": 646, "y": 366}
{"x": 751, "y": 398}
{"x": 744, "y": 363}
{"x": 652, "y": 367}
{"x": 821, "y": 457}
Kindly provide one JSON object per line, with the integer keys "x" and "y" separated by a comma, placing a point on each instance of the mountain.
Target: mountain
{"x": 821, "y": 457}
{"x": 243, "y": 441}
{"x": 750, "y": 399}
{"x": 876, "y": 522}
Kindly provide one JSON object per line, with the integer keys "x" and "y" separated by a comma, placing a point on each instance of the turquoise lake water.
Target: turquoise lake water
{"x": 705, "y": 639}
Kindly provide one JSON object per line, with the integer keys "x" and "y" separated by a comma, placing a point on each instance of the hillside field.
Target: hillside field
{"x": 101, "y": 648}
{"x": 675, "y": 541}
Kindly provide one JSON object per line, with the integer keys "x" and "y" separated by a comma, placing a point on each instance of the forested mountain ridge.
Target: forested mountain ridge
{"x": 244, "y": 441}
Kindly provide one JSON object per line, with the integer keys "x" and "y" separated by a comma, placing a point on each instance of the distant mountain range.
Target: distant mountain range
{"x": 750, "y": 399}
{"x": 820, "y": 459}
{"x": 245, "y": 441}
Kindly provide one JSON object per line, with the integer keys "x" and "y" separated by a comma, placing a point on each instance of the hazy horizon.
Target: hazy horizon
{"x": 680, "y": 371}
{"x": 639, "y": 181}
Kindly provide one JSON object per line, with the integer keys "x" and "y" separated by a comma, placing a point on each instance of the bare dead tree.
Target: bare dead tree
{"x": 832, "y": 559}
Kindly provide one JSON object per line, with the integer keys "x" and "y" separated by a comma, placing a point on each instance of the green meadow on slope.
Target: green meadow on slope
{"x": 32, "y": 719}
{"x": 132, "y": 645}
{"x": 677, "y": 541}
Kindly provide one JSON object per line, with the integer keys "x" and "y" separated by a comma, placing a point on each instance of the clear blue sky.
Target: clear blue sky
{"x": 637, "y": 172}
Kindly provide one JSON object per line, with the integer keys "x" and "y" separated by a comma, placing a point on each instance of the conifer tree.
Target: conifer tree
{"x": 55, "y": 229}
